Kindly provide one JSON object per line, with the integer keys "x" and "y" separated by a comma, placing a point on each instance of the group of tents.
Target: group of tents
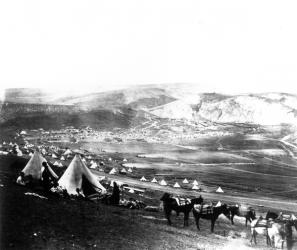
{"x": 76, "y": 177}
{"x": 177, "y": 185}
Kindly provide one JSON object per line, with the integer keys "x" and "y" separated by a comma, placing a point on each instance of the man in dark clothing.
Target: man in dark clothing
{"x": 115, "y": 197}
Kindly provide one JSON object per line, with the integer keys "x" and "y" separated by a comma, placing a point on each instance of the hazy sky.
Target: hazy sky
{"x": 230, "y": 46}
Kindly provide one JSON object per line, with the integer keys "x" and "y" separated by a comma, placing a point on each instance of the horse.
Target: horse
{"x": 247, "y": 212}
{"x": 170, "y": 204}
{"x": 276, "y": 231}
{"x": 259, "y": 226}
{"x": 212, "y": 213}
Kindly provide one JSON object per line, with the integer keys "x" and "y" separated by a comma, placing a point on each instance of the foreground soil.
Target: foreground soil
{"x": 30, "y": 222}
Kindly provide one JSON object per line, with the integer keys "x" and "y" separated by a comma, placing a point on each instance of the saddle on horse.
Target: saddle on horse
{"x": 204, "y": 208}
{"x": 182, "y": 201}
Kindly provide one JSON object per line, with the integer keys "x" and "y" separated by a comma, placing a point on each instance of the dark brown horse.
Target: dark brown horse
{"x": 248, "y": 213}
{"x": 170, "y": 204}
{"x": 212, "y": 214}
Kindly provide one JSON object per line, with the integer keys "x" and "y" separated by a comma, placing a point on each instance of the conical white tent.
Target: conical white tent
{"x": 113, "y": 171}
{"x": 219, "y": 190}
{"x": 163, "y": 182}
{"x": 60, "y": 165}
{"x": 154, "y": 180}
{"x": 43, "y": 151}
{"x": 176, "y": 185}
{"x": 195, "y": 187}
{"x": 123, "y": 171}
{"x": 130, "y": 170}
{"x": 62, "y": 158}
{"x": 124, "y": 160}
{"x": 195, "y": 182}
{"x": 131, "y": 190}
{"x": 94, "y": 165}
{"x": 185, "y": 181}
{"x": 143, "y": 178}
{"x": 23, "y": 132}
{"x": 68, "y": 152}
{"x": 56, "y": 163}
{"x": 54, "y": 156}
{"x": 218, "y": 204}
{"x": 34, "y": 166}
{"x": 72, "y": 178}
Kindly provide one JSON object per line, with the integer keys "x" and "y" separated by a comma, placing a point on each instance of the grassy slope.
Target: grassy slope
{"x": 70, "y": 224}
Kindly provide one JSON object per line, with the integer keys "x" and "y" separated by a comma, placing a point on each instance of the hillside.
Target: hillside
{"x": 177, "y": 101}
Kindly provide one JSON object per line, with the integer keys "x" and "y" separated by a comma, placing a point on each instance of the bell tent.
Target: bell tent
{"x": 219, "y": 190}
{"x": 78, "y": 176}
{"x": 154, "y": 180}
{"x": 34, "y": 166}
{"x": 185, "y": 181}
{"x": 176, "y": 185}
{"x": 143, "y": 178}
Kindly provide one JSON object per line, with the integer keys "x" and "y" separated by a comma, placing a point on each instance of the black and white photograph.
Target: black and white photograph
{"x": 132, "y": 124}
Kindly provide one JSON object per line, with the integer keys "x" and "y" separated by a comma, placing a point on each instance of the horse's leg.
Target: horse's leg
{"x": 197, "y": 221}
{"x": 268, "y": 243}
{"x": 213, "y": 221}
{"x": 246, "y": 220}
{"x": 186, "y": 219}
{"x": 167, "y": 215}
{"x": 232, "y": 217}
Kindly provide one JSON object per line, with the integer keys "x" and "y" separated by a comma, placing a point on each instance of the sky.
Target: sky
{"x": 222, "y": 46}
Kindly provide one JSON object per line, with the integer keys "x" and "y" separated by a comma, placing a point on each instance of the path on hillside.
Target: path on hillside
{"x": 277, "y": 204}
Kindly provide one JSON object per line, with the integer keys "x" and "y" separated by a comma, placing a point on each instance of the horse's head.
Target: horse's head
{"x": 198, "y": 200}
{"x": 253, "y": 214}
{"x": 165, "y": 197}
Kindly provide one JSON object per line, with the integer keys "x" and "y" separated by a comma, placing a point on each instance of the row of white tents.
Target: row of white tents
{"x": 73, "y": 177}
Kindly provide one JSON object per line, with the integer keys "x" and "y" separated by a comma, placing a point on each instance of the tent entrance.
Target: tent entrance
{"x": 87, "y": 187}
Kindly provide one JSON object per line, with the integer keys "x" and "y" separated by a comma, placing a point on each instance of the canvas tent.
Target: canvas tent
{"x": 77, "y": 175}
{"x": 94, "y": 165}
{"x": 163, "y": 183}
{"x": 219, "y": 190}
{"x": 185, "y": 181}
{"x": 218, "y": 204}
{"x": 123, "y": 171}
{"x": 154, "y": 180}
{"x": 68, "y": 152}
{"x": 34, "y": 167}
{"x": 176, "y": 185}
{"x": 113, "y": 171}
{"x": 195, "y": 182}
{"x": 130, "y": 170}
{"x": 195, "y": 187}
{"x": 143, "y": 178}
